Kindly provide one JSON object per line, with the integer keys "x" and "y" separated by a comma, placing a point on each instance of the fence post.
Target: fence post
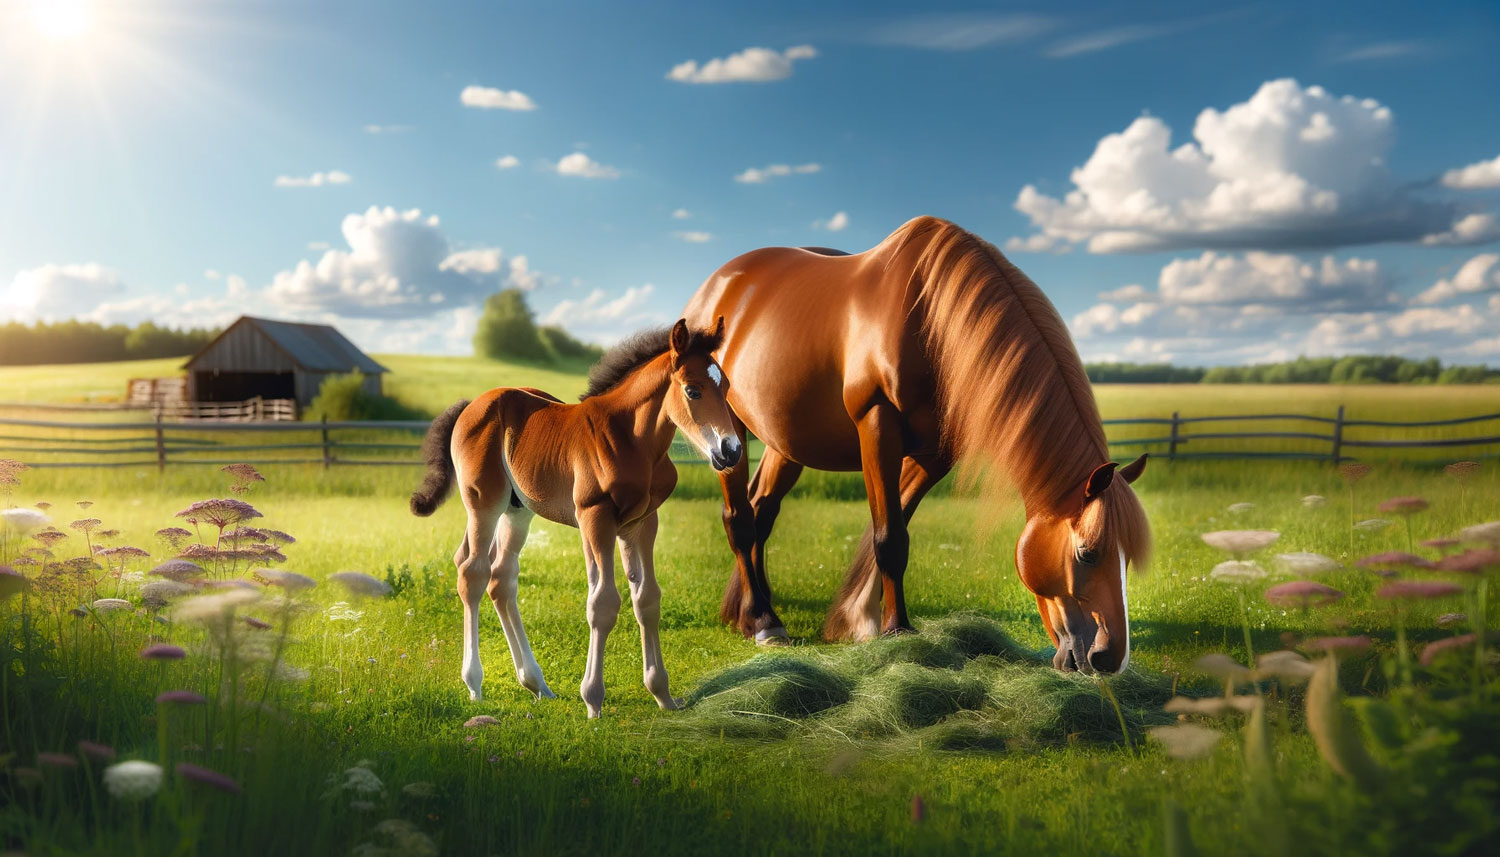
{"x": 161, "y": 444}
{"x": 1172, "y": 445}
{"x": 1338, "y": 437}
{"x": 327, "y": 453}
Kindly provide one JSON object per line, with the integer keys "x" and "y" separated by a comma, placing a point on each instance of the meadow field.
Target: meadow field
{"x": 343, "y": 727}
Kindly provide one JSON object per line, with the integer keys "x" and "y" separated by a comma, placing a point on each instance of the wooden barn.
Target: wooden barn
{"x": 261, "y": 358}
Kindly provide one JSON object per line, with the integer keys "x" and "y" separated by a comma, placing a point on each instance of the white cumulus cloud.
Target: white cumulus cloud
{"x": 1479, "y": 274}
{"x": 836, "y": 223}
{"x": 318, "y": 179}
{"x": 1481, "y": 175}
{"x": 490, "y": 98}
{"x": 754, "y": 65}
{"x": 582, "y": 166}
{"x": 600, "y": 317}
{"x": 56, "y": 292}
{"x": 1477, "y": 228}
{"x": 693, "y": 236}
{"x": 506, "y": 162}
{"x": 1291, "y": 167}
{"x": 759, "y": 175}
{"x": 681, "y": 214}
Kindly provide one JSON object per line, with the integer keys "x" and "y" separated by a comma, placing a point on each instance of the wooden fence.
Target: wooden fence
{"x": 159, "y": 442}
{"x": 250, "y": 410}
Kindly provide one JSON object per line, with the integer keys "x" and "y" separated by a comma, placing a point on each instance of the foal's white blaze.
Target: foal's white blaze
{"x": 1125, "y": 607}
{"x": 716, "y": 374}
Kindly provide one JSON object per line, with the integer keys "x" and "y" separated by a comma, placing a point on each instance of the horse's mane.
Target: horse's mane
{"x": 1012, "y": 389}
{"x": 637, "y": 350}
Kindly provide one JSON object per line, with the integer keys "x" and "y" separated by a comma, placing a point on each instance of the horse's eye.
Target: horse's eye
{"x": 692, "y": 391}
{"x": 1088, "y": 557}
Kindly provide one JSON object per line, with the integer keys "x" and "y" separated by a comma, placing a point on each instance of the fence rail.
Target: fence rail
{"x": 160, "y": 442}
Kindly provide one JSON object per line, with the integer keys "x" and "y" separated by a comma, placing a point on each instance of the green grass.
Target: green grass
{"x": 1007, "y": 756}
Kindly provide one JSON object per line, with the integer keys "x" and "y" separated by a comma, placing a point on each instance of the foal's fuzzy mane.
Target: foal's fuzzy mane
{"x": 1012, "y": 387}
{"x": 637, "y": 350}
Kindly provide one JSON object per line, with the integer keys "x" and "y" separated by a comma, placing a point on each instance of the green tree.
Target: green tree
{"x": 507, "y": 330}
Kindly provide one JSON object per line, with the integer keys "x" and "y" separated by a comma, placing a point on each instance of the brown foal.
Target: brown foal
{"x": 601, "y": 465}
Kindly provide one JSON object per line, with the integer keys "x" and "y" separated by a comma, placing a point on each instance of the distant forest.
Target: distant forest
{"x": 91, "y": 342}
{"x": 1354, "y": 369}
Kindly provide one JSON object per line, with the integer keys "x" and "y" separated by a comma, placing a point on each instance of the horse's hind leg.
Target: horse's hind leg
{"x": 472, "y": 561}
{"x": 636, "y": 551}
{"x": 505, "y": 574}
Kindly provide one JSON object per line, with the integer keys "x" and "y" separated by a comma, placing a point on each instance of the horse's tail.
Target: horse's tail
{"x": 439, "y": 457}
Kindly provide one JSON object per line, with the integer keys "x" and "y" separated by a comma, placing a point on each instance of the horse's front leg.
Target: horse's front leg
{"x": 598, "y": 528}
{"x": 636, "y": 551}
{"x": 880, "y": 458}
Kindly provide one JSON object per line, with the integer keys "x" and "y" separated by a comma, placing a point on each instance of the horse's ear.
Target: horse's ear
{"x": 679, "y": 340}
{"x": 719, "y": 329}
{"x": 1133, "y": 470}
{"x": 1099, "y": 480}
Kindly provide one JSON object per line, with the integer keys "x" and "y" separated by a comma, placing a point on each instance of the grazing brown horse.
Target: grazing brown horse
{"x": 601, "y": 466}
{"x": 927, "y": 349}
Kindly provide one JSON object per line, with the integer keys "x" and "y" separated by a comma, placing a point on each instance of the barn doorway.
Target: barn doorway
{"x": 240, "y": 386}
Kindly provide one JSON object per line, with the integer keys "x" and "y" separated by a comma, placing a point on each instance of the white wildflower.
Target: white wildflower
{"x": 1185, "y": 740}
{"x": 1489, "y": 532}
{"x": 1240, "y": 508}
{"x": 24, "y": 521}
{"x": 1303, "y": 562}
{"x": 1371, "y": 525}
{"x": 210, "y": 608}
{"x": 360, "y": 780}
{"x": 132, "y": 781}
{"x": 1284, "y": 665}
{"x": 1240, "y": 542}
{"x": 359, "y": 583}
{"x": 1315, "y": 501}
{"x": 104, "y": 605}
{"x": 1237, "y": 571}
{"x": 340, "y": 611}
{"x": 291, "y": 581}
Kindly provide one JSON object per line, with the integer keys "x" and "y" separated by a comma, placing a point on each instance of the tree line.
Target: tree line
{"x": 1353, "y": 369}
{"x": 91, "y": 342}
{"x": 508, "y": 331}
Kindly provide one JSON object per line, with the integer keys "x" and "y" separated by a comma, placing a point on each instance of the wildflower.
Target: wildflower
{"x": 1222, "y": 667}
{"x": 43, "y": 505}
{"x": 278, "y": 537}
{"x": 1304, "y": 562}
{"x": 208, "y": 608}
{"x": 1240, "y": 542}
{"x": 635, "y": 781}
{"x": 180, "y": 697}
{"x": 157, "y": 593}
{"x": 340, "y": 611}
{"x": 86, "y": 525}
{"x": 1237, "y": 571}
{"x": 1240, "y": 508}
{"x": 1284, "y": 665}
{"x": 359, "y": 583}
{"x": 97, "y": 752}
{"x": 132, "y": 781}
{"x": 1185, "y": 740}
{"x": 174, "y": 536}
{"x": 288, "y": 580}
{"x": 179, "y": 570}
{"x": 56, "y": 760}
{"x": 419, "y": 789}
{"x": 1462, "y": 471}
{"x": 106, "y": 534}
{"x": 203, "y": 776}
{"x": 1354, "y": 472}
{"x": 11, "y": 582}
{"x": 163, "y": 652}
{"x": 1302, "y": 593}
{"x": 1489, "y": 532}
{"x": 362, "y": 805}
{"x": 124, "y": 552}
{"x": 23, "y": 521}
{"x": 406, "y": 840}
{"x": 1441, "y": 544}
{"x": 257, "y": 624}
{"x": 1213, "y": 706}
{"x": 1338, "y": 644}
{"x": 1372, "y": 525}
{"x": 1314, "y": 501}
{"x": 479, "y": 720}
{"x": 1411, "y": 589}
{"x": 105, "y": 605}
{"x": 1452, "y": 620}
{"x": 660, "y": 762}
{"x": 1472, "y": 561}
{"x": 360, "y": 780}
{"x": 1430, "y": 652}
{"x": 287, "y": 672}
{"x": 1389, "y": 562}
{"x": 221, "y": 512}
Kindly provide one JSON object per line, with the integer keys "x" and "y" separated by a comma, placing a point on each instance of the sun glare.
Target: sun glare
{"x": 62, "y": 20}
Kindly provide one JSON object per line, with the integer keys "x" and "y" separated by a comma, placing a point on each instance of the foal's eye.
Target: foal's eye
{"x": 692, "y": 391}
{"x": 1088, "y": 557}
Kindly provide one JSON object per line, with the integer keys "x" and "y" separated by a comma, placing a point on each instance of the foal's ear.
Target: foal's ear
{"x": 1099, "y": 480}
{"x": 1133, "y": 470}
{"x": 679, "y": 340}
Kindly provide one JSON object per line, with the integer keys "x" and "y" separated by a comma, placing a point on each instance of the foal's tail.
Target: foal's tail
{"x": 435, "y": 450}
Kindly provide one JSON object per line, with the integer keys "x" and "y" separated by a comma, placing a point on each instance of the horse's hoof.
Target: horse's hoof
{"x": 772, "y": 637}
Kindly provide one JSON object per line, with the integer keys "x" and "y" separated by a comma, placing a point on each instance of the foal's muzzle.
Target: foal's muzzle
{"x": 727, "y": 455}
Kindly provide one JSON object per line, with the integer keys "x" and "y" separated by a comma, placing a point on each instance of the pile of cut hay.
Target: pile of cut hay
{"x": 959, "y": 684}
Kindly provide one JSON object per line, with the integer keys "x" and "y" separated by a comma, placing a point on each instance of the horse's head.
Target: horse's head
{"x": 1074, "y": 560}
{"x": 697, "y": 400}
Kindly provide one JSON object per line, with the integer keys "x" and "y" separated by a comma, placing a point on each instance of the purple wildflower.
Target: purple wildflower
{"x": 1302, "y": 593}
{"x": 178, "y": 570}
{"x": 204, "y": 776}
{"x": 1432, "y": 651}
{"x": 1410, "y": 589}
{"x": 56, "y": 760}
{"x": 163, "y": 652}
{"x": 181, "y": 697}
{"x": 1472, "y": 561}
{"x": 97, "y": 752}
{"x": 220, "y": 512}
{"x": 1339, "y": 644}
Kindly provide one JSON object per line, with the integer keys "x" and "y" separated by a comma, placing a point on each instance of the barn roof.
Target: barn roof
{"x": 313, "y": 347}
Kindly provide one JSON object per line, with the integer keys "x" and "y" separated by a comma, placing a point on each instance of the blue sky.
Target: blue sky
{"x": 189, "y": 161}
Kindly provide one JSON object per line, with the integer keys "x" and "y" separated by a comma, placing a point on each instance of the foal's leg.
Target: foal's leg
{"x": 598, "y": 528}
{"x": 636, "y": 551}
{"x": 472, "y": 561}
{"x": 505, "y": 573}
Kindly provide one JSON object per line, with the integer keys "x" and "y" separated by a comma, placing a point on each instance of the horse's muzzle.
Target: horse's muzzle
{"x": 727, "y": 455}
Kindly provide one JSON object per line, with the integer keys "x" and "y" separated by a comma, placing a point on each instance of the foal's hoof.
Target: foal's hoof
{"x": 671, "y": 703}
{"x": 772, "y": 637}
{"x": 545, "y": 693}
